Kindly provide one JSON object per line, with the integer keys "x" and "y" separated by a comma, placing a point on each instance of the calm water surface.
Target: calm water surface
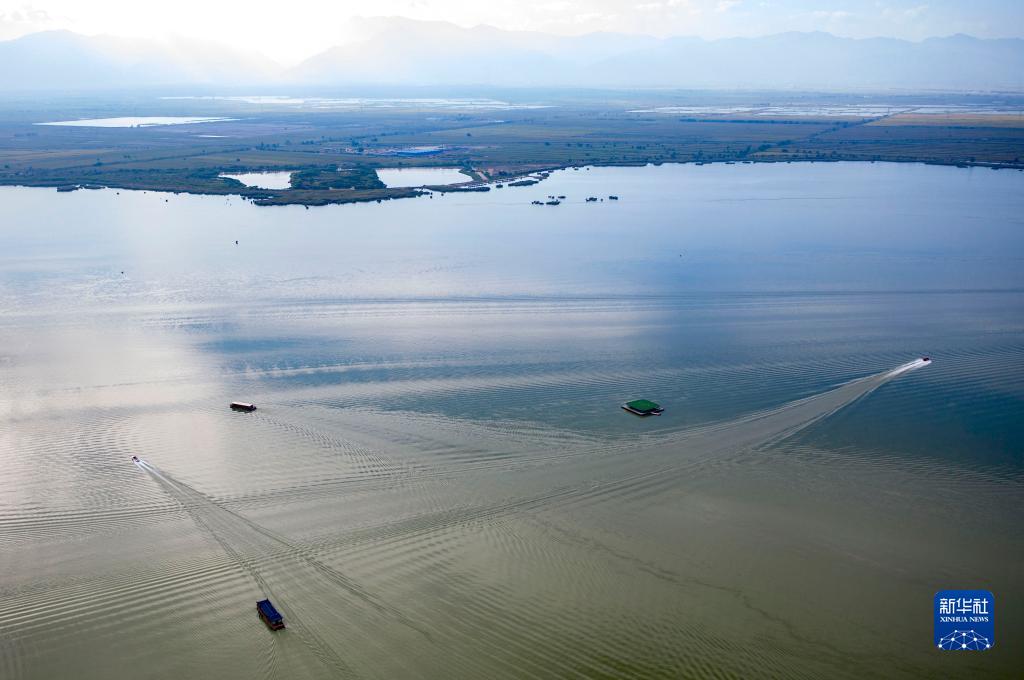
{"x": 439, "y": 481}
{"x": 137, "y": 121}
{"x": 264, "y": 180}
{"x": 418, "y": 177}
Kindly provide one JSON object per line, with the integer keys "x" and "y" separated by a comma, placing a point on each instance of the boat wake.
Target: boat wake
{"x": 910, "y": 366}
{"x": 311, "y": 595}
{"x": 315, "y": 597}
{"x": 646, "y": 466}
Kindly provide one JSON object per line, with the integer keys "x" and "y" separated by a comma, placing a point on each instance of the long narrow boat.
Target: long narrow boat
{"x": 269, "y": 614}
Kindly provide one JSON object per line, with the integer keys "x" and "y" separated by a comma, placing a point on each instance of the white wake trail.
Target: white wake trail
{"x": 910, "y": 366}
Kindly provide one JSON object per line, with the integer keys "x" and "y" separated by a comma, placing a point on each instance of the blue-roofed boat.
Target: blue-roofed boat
{"x": 270, "y": 615}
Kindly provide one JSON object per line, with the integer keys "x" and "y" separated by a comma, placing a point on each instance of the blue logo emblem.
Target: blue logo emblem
{"x": 964, "y": 620}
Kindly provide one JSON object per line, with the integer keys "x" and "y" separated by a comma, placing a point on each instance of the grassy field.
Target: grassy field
{"x": 333, "y": 154}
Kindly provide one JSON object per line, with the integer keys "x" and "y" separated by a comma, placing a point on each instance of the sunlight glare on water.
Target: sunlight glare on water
{"x": 438, "y": 480}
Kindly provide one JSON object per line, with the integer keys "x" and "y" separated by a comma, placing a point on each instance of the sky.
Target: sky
{"x": 295, "y": 29}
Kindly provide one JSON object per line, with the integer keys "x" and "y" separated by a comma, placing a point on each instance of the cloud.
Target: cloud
{"x": 906, "y": 14}
{"x": 17, "y": 21}
{"x": 591, "y": 17}
{"x": 26, "y": 14}
{"x": 726, "y": 5}
{"x": 833, "y": 15}
{"x": 669, "y": 4}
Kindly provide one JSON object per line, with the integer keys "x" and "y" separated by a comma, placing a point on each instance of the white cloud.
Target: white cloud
{"x": 904, "y": 14}
{"x": 834, "y": 15}
{"x": 590, "y": 17}
{"x": 18, "y": 20}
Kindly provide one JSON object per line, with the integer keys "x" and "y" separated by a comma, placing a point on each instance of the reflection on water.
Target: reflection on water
{"x": 137, "y": 121}
{"x": 439, "y": 481}
{"x": 343, "y": 103}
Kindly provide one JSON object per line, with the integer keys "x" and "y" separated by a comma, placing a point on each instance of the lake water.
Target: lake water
{"x": 423, "y": 103}
{"x": 264, "y": 180}
{"x": 418, "y": 177}
{"x": 439, "y": 481}
{"x": 138, "y": 121}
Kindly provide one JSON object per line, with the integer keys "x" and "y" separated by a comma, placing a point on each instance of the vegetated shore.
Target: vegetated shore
{"x": 333, "y": 156}
{"x": 310, "y": 198}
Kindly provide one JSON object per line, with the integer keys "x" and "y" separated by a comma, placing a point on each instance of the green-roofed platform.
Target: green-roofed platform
{"x": 643, "y": 407}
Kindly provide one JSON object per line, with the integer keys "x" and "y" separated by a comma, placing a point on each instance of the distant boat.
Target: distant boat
{"x": 643, "y": 407}
{"x": 270, "y": 615}
{"x": 242, "y": 406}
{"x": 613, "y": 198}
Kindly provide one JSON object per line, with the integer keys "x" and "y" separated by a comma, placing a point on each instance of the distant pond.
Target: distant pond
{"x": 264, "y": 180}
{"x": 138, "y": 121}
{"x": 418, "y": 177}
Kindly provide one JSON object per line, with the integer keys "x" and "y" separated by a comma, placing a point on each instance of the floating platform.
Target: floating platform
{"x": 242, "y": 406}
{"x": 269, "y": 615}
{"x": 643, "y": 407}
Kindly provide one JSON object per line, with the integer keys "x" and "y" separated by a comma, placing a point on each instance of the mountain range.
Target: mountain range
{"x": 397, "y": 51}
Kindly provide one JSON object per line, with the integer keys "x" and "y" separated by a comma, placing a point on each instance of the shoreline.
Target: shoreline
{"x": 317, "y": 198}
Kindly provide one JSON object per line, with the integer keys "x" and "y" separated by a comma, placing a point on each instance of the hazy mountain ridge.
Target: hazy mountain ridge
{"x": 398, "y": 51}
{"x": 822, "y": 60}
{"x": 401, "y": 51}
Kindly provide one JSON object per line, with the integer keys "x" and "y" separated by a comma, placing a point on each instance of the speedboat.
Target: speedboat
{"x": 926, "y": 358}
{"x": 135, "y": 459}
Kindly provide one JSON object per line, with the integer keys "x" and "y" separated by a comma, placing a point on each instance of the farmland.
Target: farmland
{"x": 333, "y": 153}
